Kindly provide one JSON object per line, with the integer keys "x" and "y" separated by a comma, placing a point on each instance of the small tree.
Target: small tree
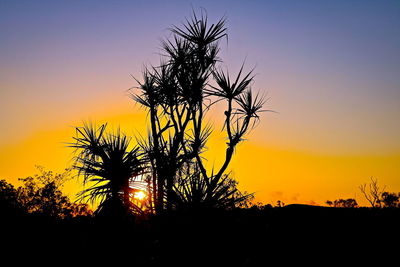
{"x": 279, "y": 204}
{"x": 373, "y": 193}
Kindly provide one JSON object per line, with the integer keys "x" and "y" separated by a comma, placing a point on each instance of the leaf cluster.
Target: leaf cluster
{"x": 106, "y": 162}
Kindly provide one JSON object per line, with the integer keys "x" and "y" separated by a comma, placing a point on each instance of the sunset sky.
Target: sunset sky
{"x": 331, "y": 71}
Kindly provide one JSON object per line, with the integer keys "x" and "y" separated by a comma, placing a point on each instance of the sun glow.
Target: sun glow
{"x": 140, "y": 195}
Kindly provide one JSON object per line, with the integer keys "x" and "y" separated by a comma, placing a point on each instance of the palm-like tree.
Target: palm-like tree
{"x": 109, "y": 167}
{"x": 177, "y": 95}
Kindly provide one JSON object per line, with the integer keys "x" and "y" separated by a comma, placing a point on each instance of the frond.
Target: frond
{"x": 227, "y": 90}
{"x": 196, "y": 30}
{"x": 250, "y": 106}
{"x": 149, "y": 94}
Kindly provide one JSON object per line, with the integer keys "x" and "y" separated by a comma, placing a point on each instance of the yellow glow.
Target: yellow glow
{"x": 140, "y": 195}
{"x": 270, "y": 170}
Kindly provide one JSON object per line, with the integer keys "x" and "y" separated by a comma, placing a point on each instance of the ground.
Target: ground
{"x": 243, "y": 237}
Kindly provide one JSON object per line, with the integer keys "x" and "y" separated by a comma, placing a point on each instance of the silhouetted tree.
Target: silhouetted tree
{"x": 9, "y": 199}
{"x": 177, "y": 94}
{"x": 110, "y": 169}
{"x": 41, "y": 194}
{"x": 372, "y": 193}
{"x": 329, "y": 203}
{"x": 390, "y": 200}
{"x": 280, "y": 204}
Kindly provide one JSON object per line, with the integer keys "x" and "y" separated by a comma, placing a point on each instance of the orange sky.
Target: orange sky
{"x": 331, "y": 72}
{"x": 273, "y": 172}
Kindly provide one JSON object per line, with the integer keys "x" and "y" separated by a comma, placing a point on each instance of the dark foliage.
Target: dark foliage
{"x": 9, "y": 203}
{"x": 255, "y": 236}
{"x": 41, "y": 195}
{"x": 390, "y": 200}
{"x": 343, "y": 203}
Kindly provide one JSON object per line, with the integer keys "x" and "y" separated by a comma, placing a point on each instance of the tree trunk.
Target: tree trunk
{"x": 159, "y": 202}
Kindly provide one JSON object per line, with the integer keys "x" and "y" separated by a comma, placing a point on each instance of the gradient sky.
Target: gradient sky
{"x": 330, "y": 68}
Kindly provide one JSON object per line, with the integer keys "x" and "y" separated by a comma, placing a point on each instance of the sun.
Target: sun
{"x": 139, "y": 195}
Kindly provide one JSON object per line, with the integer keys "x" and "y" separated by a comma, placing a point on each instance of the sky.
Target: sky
{"x": 330, "y": 70}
